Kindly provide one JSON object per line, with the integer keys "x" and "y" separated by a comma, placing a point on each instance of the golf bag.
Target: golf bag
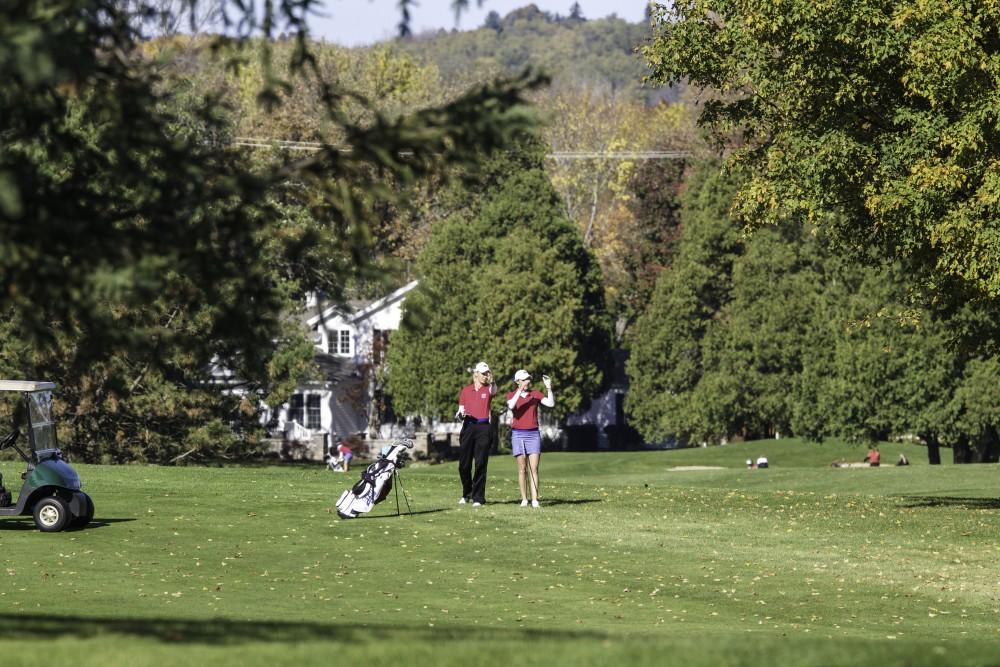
{"x": 335, "y": 463}
{"x": 376, "y": 481}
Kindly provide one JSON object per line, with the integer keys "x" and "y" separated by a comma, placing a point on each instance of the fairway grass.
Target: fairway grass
{"x": 634, "y": 558}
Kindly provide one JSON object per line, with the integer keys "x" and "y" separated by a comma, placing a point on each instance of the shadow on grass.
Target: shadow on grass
{"x": 545, "y": 503}
{"x": 228, "y": 631}
{"x": 403, "y": 512}
{"x": 102, "y": 523}
{"x": 570, "y": 501}
{"x": 17, "y": 523}
{"x": 551, "y": 502}
{"x": 27, "y": 523}
{"x": 948, "y": 501}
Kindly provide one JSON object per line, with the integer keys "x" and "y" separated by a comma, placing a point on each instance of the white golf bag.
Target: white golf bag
{"x": 335, "y": 463}
{"x": 376, "y": 481}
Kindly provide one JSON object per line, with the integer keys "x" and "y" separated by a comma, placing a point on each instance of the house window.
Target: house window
{"x": 295, "y": 409}
{"x": 305, "y": 410}
{"x": 339, "y": 342}
{"x": 313, "y": 412}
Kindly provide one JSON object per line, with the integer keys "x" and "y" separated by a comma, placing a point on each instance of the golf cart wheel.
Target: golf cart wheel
{"x": 82, "y": 520}
{"x": 51, "y": 514}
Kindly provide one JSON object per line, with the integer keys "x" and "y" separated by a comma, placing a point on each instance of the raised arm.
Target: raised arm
{"x": 512, "y": 401}
{"x": 549, "y": 401}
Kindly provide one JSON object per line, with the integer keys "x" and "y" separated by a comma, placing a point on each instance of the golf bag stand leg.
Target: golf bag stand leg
{"x": 399, "y": 481}
{"x": 396, "y": 489}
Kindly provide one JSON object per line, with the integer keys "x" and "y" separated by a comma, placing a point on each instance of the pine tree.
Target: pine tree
{"x": 666, "y": 361}
{"x": 507, "y": 281}
{"x": 493, "y": 22}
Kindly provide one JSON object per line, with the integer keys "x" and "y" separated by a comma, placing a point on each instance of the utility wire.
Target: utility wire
{"x": 312, "y": 146}
{"x": 619, "y": 155}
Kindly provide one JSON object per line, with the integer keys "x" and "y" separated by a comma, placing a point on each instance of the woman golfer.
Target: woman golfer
{"x": 526, "y": 442}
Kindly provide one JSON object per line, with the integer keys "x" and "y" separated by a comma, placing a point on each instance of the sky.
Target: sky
{"x": 360, "y": 22}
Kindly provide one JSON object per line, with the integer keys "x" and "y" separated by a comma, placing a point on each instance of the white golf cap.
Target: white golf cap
{"x": 482, "y": 367}
{"x": 522, "y": 375}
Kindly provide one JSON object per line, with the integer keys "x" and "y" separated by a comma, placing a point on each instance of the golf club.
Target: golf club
{"x": 531, "y": 477}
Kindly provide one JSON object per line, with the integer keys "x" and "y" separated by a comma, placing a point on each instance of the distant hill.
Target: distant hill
{"x": 573, "y": 50}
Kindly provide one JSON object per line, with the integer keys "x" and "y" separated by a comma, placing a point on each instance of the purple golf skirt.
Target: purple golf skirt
{"x": 525, "y": 441}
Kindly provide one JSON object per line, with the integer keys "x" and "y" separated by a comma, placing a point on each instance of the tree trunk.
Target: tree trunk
{"x": 933, "y": 450}
{"x": 961, "y": 452}
{"x": 989, "y": 447}
{"x": 374, "y": 423}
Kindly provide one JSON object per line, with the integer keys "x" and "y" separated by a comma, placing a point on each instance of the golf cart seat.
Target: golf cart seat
{"x": 51, "y": 454}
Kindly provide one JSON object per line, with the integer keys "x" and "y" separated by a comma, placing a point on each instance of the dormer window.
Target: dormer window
{"x": 339, "y": 342}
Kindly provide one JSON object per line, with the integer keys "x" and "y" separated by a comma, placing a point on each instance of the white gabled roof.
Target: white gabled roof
{"x": 26, "y": 385}
{"x": 361, "y": 314}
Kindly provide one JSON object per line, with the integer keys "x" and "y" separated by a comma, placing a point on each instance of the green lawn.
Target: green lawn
{"x": 633, "y": 559}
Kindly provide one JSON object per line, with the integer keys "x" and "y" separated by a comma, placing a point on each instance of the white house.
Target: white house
{"x": 350, "y": 342}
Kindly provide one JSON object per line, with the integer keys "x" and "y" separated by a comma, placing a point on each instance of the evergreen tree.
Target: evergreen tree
{"x": 666, "y": 361}
{"x": 853, "y": 367}
{"x": 756, "y": 347}
{"x": 507, "y": 280}
{"x": 493, "y": 22}
{"x": 772, "y": 333}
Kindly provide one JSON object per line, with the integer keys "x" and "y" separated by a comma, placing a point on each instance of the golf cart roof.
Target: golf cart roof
{"x": 26, "y": 385}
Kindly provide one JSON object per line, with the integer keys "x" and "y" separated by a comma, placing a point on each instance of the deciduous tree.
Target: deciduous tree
{"x": 874, "y": 120}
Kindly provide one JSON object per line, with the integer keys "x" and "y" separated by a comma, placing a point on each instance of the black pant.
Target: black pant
{"x": 474, "y": 444}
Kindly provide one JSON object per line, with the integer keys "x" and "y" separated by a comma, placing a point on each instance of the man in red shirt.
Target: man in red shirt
{"x": 474, "y": 440}
{"x": 525, "y": 439}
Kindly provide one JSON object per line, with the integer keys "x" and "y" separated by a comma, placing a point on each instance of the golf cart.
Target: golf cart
{"x": 51, "y": 490}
